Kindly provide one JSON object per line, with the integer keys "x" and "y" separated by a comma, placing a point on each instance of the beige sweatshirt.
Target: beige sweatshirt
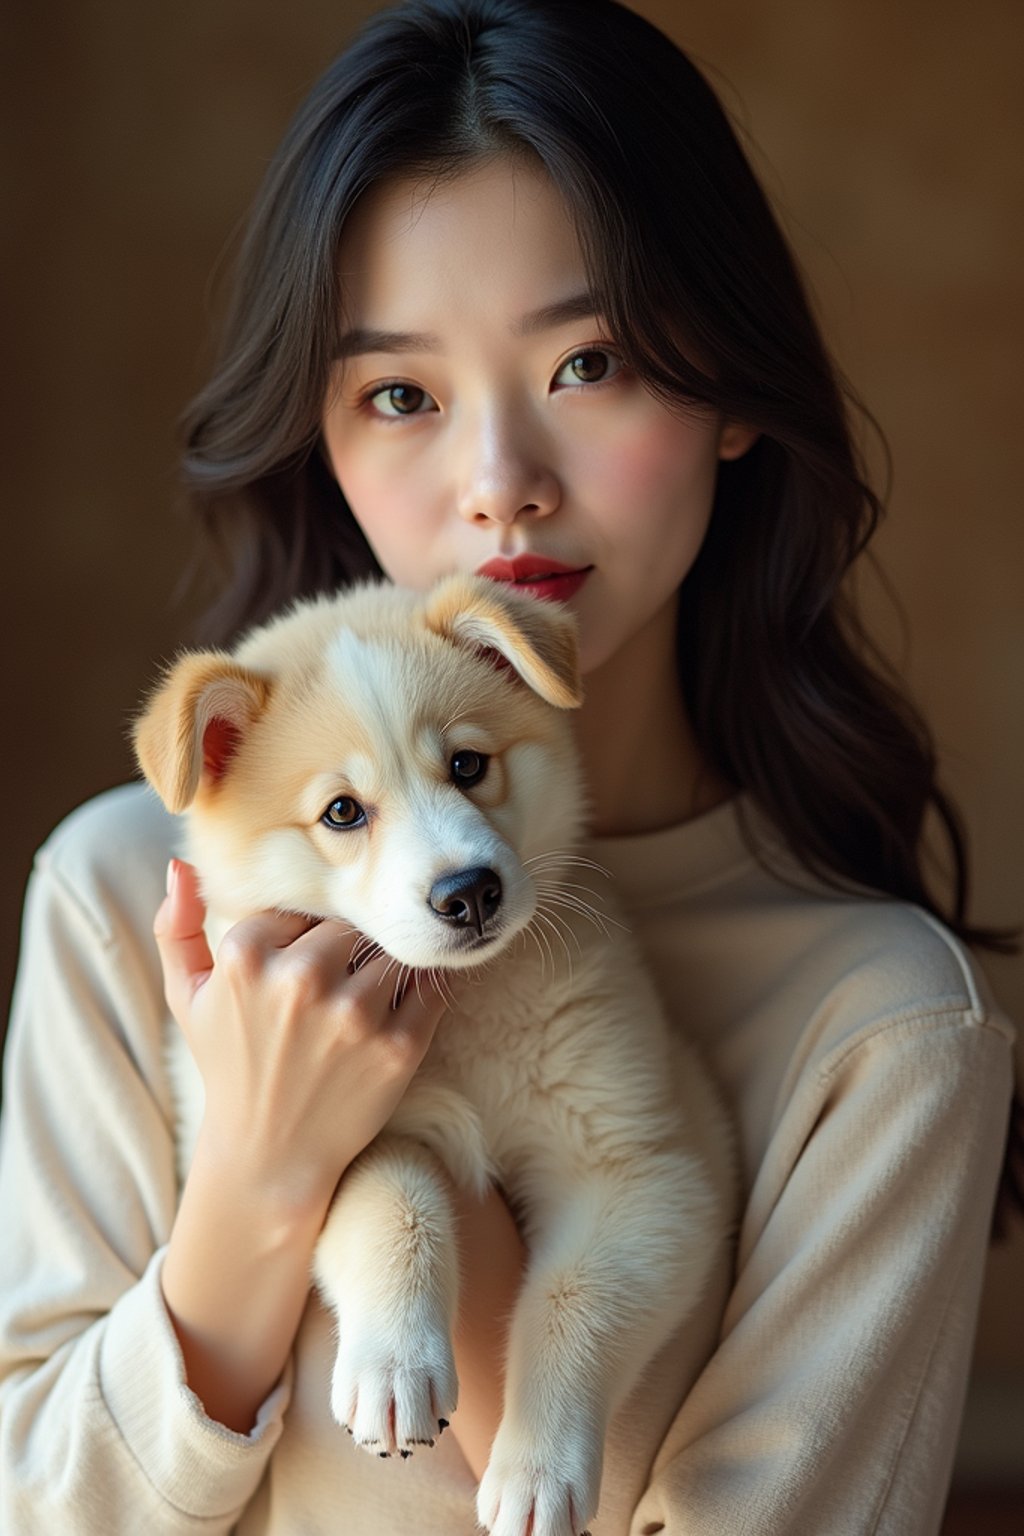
{"x": 869, "y": 1076}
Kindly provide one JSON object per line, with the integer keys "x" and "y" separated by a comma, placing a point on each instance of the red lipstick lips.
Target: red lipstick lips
{"x": 539, "y": 575}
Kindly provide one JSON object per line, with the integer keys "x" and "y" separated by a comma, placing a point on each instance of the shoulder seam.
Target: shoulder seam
{"x": 954, "y": 948}
{"x": 913, "y": 1016}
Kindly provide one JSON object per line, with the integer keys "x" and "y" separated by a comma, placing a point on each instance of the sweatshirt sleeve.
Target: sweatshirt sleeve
{"x": 833, "y": 1401}
{"x": 98, "y": 1429}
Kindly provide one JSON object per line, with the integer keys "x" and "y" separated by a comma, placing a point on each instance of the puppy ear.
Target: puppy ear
{"x": 537, "y": 639}
{"x": 193, "y": 723}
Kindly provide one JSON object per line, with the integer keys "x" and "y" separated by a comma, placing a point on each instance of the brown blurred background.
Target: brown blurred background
{"x": 890, "y": 134}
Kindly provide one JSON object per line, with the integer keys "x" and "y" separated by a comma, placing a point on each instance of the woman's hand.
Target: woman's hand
{"x": 303, "y": 1063}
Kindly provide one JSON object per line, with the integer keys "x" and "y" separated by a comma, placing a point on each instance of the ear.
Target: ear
{"x": 193, "y": 723}
{"x": 537, "y": 639}
{"x": 734, "y": 439}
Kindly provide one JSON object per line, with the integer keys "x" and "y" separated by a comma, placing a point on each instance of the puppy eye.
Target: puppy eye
{"x": 468, "y": 768}
{"x": 343, "y": 814}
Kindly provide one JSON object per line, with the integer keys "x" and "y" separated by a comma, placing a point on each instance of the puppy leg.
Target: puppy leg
{"x": 615, "y": 1266}
{"x": 387, "y": 1263}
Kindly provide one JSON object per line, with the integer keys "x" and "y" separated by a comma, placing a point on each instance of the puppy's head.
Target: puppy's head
{"x": 401, "y": 761}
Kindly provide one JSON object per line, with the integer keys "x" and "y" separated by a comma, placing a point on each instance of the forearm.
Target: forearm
{"x": 235, "y": 1281}
{"x": 492, "y": 1259}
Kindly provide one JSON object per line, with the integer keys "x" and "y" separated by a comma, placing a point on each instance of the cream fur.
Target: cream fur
{"x": 555, "y": 1071}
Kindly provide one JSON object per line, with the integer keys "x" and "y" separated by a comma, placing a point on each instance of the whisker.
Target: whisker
{"x": 440, "y": 981}
{"x": 464, "y": 701}
{"x": 530, "y": 931}
{"x": 459, "y": 714}
{"x": 554, "y": 917}
{"x": 571, "y": 885}
{"x": 542, "y": 937}
{"x": 600, "y": 920}
{"x": 568, "y": 893}
{"x": 399, "y": 991}
{"x": 350, "y": 928}
{"x": 365, "y": 950}
{"x": 550, "y": 920}
{"x": 582, "y": 907}
{"x": 566, "y": 856}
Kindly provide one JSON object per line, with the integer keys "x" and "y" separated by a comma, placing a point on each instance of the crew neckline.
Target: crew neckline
{"x": 650, "y": 868}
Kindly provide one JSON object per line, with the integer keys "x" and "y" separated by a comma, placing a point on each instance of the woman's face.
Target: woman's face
{"x": 479, "y": 410}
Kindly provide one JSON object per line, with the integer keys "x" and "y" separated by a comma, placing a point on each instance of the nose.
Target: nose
{"x": 508, "y": 472}
{"x": 467, "y": 898}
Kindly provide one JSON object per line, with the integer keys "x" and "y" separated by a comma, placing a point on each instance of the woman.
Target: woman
{"x": 511, "y": 288}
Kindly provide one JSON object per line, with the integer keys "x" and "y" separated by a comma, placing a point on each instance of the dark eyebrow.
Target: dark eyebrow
{"x": 352, "y": 343}
{"x": 580, "y": 306}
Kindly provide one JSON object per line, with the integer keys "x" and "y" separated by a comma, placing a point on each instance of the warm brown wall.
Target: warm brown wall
{"x": 890, "y": 135}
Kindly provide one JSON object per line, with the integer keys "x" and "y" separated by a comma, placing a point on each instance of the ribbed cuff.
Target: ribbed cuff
{"x": 199, "y": 1466}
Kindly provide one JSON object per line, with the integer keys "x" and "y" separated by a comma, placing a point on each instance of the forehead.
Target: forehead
{"x": 372, "y": 694}
{"x": 411, "y": 245}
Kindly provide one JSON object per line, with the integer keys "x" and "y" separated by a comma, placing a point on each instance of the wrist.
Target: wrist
{"x": 237, "y": 1197}
{"x": 286, "y": 1205}
{"x": 236, "y": 1237}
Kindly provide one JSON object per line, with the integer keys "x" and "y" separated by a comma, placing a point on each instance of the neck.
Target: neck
{"x": 643, "y": 766}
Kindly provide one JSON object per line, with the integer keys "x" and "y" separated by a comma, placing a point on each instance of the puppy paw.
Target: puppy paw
{"x": 528, "y": 1492}
{"x": 394, "y": 1399}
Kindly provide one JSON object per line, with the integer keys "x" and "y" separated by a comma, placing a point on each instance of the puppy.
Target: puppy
{"x": 405, "y": 762}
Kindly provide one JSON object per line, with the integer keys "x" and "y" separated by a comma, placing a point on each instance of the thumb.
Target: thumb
{"x": 178, "y": 929}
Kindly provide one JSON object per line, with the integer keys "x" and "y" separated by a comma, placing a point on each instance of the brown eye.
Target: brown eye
{"x": 468, "y": 768}
{"x": 589, "y": 366}
{"x": 343, "y": 813}
{"x": 400, "y": 400}
{"x": 593, "y": 365}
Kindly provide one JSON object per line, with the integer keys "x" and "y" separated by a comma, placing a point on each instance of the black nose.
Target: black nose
{"x": 468, "y": 898}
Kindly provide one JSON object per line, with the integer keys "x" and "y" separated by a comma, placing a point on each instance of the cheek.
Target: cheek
{"x": 392, "y": 507}
{"x": 661, "y": 465}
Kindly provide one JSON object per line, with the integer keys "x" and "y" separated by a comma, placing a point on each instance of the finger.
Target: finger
{"x": 264, "y": 931}
{"x": 422, "y": 1010}
{"x": 385, "y": 986}
{"x": 339, "y": 946}
{"x": 368, "y": 974}
{"x": 416, "y": 1002}
{"x": 178, "y": 929}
